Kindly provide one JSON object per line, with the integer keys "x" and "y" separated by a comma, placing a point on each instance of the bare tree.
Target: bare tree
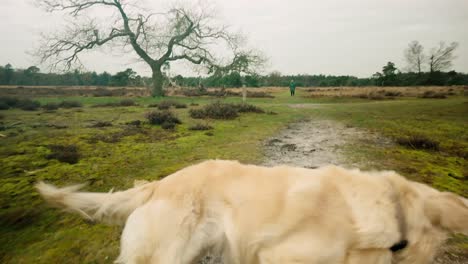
{"x": 181, "y": 34}
{"x": 415, "y": 57}
{"x": 441, "y": 57}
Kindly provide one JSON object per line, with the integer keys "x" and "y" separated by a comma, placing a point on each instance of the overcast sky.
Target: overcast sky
{"x": 339, "y": 37}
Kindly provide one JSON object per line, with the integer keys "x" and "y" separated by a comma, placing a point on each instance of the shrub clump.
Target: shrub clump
{"x": 248, "y": 108}
{"x": 418, "y": 142}
{"x": 28, "y": 105}
{"x": 123, "y": 102}
{"x": 200, "y": 127}
{"x": 166, "y": 119}
{"x": 24, "y": 104}
{"x": 165, "y": 105}
{"x": 8, "y": 102}
{"x": 50, "y": 106}
{"x": 70, "y": 104}
{"x": 100, "y": 92}
{"x": 215, "y": 111}
{"x": 4, "y": 106}
{"x": 434, "y": 95}
{"x": 223, "y": 111}
{"x": 127, "y": 102}
{"x": 168, "y": 125}
{"x": 64, "y": 153}
{"x": 393, "y": 94}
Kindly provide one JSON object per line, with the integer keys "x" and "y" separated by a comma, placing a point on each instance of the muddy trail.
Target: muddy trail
{"x": 311, "y": 144}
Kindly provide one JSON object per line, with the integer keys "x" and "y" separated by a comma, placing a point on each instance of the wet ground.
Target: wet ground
{"x": 310, "y": 144}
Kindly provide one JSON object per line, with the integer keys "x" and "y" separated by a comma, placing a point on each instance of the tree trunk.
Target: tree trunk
{"x": 419, "y": 66}
{"x": 158, "y": 81}
{"x": 431, "y": 65}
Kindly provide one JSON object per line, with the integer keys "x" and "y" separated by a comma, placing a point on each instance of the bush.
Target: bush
{"x": 8, "y": 102}
{"x": 418, "y": 142}
{"x": 392, "y": 94}
{"x": 127, "y": 102}
{"x": 192, "y": 92}
{"x": 372, "y": 96}
{"x": 70, "y": 104}
{"x": 163, "y": 118}
{"x": 24, "y": 104}
{"x": 4, "y": 106}
{"x": 248, "y": 108}
{"x": 64, "y": 153}
{"x": 100, "y": 92}
{"x": 123, "y": 102}
{"x": 50, "y": 106}
{"x": 203, "y": 92}
{"x": 28, "y": 105}
{"x": 223, "y": 111}
{"x": 197, "y": 113}
{"x": 164, "y": 105}
{"x": 200, "y": 127}
{"x": 375, "y": 96}
{"x": 168, "y": 125}
{"x": 215, "y": 111}
{"x": 434, "y": 95}
{"x": 180, "y": 105}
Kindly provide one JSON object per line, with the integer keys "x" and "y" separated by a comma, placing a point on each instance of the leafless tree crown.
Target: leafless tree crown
{"x": 157, "y": 38}
{"x": 414, "y": 56}
{"x": 441, "y": 57}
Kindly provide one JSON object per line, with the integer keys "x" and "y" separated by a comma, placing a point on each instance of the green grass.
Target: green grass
{"x": 32, "y": 233}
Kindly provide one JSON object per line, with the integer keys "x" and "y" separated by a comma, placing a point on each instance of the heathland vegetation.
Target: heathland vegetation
{"x": 108, "y": 142}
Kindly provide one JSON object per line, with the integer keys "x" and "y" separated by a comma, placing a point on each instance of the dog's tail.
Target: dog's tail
{"x": 112, "y": 207}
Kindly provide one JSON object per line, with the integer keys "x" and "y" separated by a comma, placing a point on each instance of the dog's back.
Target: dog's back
{"x": 260, "y": 215}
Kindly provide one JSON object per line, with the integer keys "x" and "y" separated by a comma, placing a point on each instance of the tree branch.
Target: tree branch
{"x": 132, "y": 36}
{"x": 74, "y": 7}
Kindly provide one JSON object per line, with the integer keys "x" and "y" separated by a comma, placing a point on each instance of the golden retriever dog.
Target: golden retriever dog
{"x": 253, "y": 214}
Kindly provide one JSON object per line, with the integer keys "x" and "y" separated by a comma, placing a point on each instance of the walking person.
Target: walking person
{"x": 292, "y": 87}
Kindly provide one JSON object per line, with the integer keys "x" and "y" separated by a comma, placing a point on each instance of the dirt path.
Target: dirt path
{"x": 311, "y": 144}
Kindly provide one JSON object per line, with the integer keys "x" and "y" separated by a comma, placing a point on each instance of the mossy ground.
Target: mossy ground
{"x": 112, "y": 157}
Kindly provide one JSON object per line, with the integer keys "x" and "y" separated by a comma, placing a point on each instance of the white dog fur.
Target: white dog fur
{"x": 253, "y": 214}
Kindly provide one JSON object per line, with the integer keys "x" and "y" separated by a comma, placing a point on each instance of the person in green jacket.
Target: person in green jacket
{"x": 292, "y": 87}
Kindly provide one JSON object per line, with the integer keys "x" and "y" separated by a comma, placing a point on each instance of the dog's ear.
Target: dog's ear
{"x": 448, "y": 211}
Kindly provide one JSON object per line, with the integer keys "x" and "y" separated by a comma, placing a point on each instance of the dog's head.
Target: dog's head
{"x": 430, "y": 216}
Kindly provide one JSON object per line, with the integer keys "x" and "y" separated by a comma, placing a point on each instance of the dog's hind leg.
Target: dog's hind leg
{"x": 159, "y": 233}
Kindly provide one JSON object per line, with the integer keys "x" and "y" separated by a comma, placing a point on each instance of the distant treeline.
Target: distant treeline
{"x": 397, "y": 79}
{"x": 33, "y": 76}
{"x": 390, "y": 76}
